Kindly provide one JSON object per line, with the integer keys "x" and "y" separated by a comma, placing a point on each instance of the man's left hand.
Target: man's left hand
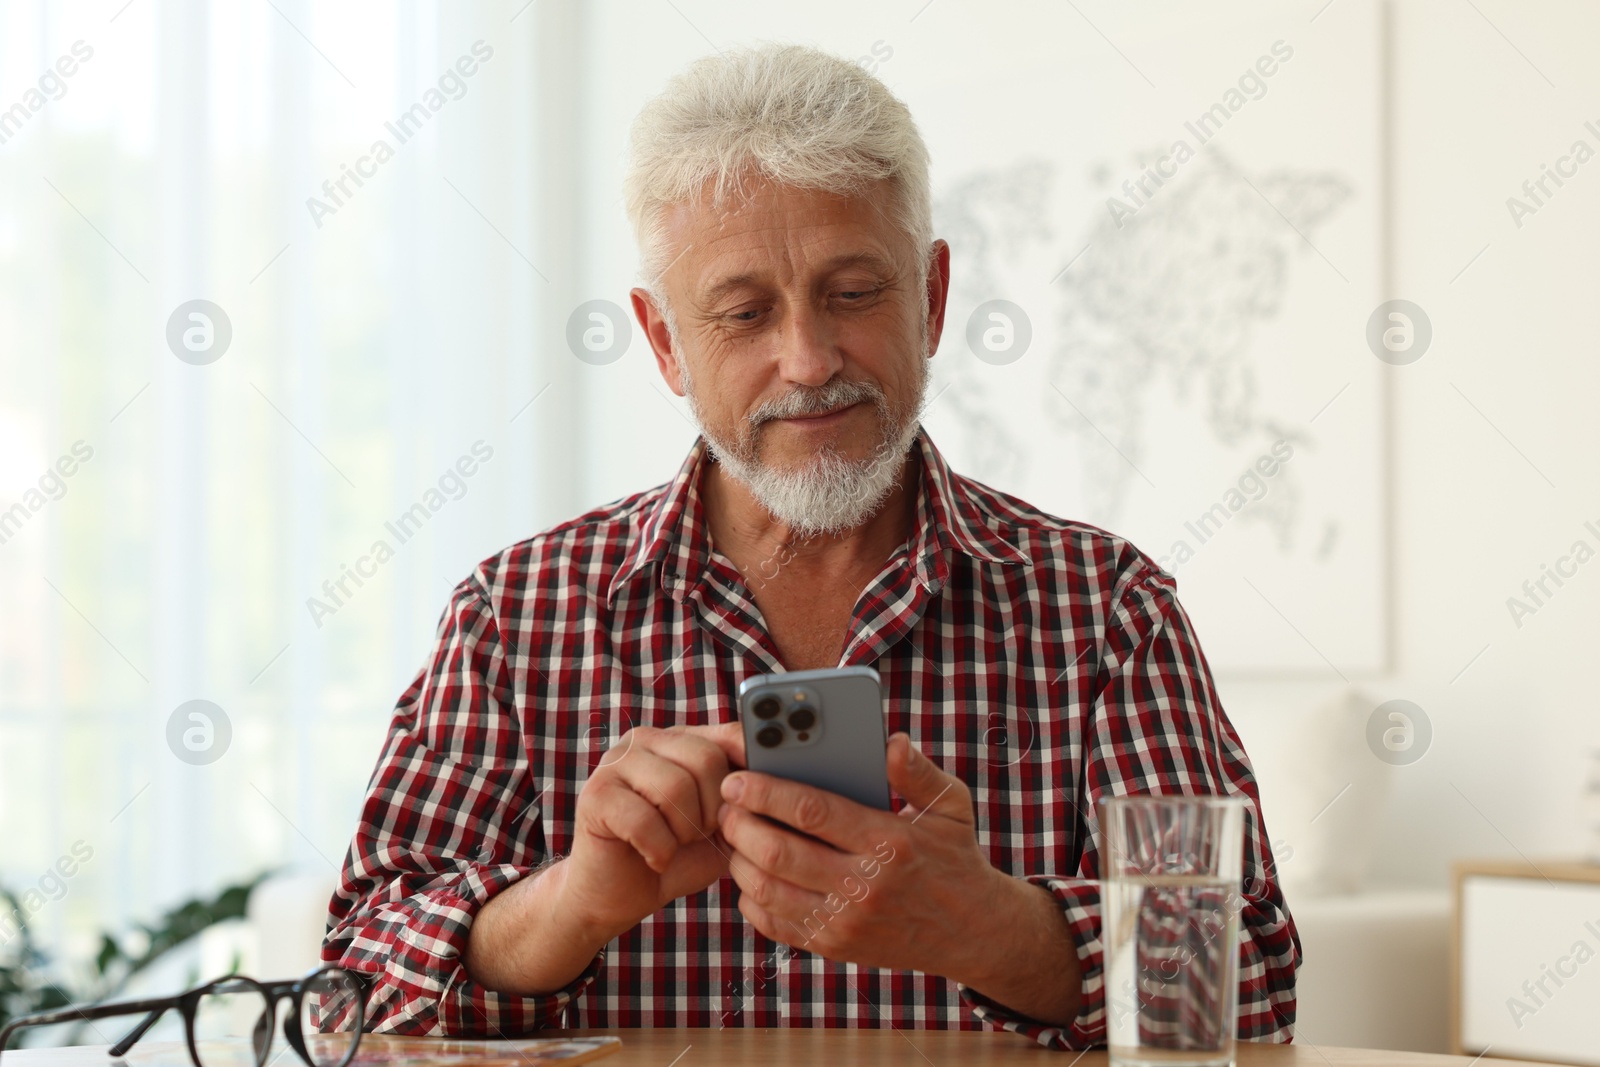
{"x": 899, "y": 890}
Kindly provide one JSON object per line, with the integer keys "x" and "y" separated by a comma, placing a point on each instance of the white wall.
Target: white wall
{"x": 1474, "y": 519}
{"x": 1471, "y": 517}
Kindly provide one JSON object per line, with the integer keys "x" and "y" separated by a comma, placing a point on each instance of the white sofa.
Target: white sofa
{"x": 286, "y": 915}
{"x": 1376, "y": 970}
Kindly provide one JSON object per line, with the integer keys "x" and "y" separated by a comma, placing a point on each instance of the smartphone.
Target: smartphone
{"x": 824, "y": 727}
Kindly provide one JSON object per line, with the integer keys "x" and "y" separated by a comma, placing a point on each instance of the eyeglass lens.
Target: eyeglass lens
{"x": 233, "y": 1025}
{"x": 330, "y": 1017}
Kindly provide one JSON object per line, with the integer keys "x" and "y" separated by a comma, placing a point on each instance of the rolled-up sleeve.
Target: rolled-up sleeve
{"x": 1157, "y": 727}
{"x": 450, "y": 819}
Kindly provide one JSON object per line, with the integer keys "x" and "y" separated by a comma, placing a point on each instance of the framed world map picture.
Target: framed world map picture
{"x": 1166, "y": 250}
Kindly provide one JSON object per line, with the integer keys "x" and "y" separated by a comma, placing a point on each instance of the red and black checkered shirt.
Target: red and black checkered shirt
{"x": 1046, "y": 663}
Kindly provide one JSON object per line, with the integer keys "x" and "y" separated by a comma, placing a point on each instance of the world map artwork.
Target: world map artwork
{"x": 1169, "y": 300}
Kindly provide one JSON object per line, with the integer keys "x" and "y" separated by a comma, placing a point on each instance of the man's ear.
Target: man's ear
{"x": 938, "y": 283}
{"x": 654, "y": 325}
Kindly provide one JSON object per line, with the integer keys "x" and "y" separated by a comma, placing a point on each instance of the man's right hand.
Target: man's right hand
{"x": 646, "y": 834}
{"x": 646, "y": 825}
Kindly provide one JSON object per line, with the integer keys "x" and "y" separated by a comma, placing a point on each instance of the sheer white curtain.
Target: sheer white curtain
{"x": 378, "y": 351}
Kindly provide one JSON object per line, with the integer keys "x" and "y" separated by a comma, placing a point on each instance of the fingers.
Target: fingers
{"x": 924, "y": 784}
{"x": 694, "y": 867}
{"x": 694, "y": 749}
{"x": 781, "y": 854}
{"x": 671, "y": 789}
{"x": 839, "y": 821}
{"x": 728, "y": 736}
{"x": 775, "y": 895}
{"x": 626, "y": 816}
{"x": 680, "y": 770}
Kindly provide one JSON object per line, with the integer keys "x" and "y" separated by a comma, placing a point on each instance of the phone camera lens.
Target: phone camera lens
{"x": 768, "y": 708}
{"x": 802, "y": 718}
{"x": 770, "y": 736}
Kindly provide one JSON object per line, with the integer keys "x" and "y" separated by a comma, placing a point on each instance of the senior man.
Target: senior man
{"x": 560, "y": 832}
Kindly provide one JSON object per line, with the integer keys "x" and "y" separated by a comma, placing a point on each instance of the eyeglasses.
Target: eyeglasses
{"x": 228, "y": 1022}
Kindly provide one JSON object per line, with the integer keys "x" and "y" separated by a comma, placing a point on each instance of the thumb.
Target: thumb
{"x": 923, "y": 783}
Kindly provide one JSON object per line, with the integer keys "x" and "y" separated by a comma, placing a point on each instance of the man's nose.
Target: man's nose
{"x": 808, "y": 353}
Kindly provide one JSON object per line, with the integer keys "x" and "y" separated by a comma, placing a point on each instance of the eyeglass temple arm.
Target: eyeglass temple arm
{"x": 120, "y": 1049}
{"x": 83, "y": 1014}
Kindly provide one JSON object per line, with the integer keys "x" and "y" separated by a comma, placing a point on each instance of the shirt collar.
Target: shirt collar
{"x": 949, "y": 515}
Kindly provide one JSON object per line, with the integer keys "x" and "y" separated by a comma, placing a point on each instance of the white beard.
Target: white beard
{"x": 831, "y": 493}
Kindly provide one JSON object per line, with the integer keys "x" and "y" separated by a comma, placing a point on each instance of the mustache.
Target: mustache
{"x": 808, "y": 401}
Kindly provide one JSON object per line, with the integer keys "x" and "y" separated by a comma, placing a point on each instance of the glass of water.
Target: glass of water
{"x": 1172, "y": 872}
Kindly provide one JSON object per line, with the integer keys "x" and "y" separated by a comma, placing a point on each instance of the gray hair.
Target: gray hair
{"x": 796, "y": 114}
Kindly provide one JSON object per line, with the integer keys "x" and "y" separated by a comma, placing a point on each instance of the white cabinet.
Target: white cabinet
{"x": 1527, "y": 961}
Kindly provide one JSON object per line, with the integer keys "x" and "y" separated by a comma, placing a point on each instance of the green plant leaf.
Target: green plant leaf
{"x": 30, "y": 982}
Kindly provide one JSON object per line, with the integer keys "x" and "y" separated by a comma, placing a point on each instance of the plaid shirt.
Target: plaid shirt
{"x": 1046, "y": 663}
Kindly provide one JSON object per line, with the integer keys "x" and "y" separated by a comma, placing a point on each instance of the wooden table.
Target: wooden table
{"x": 749, "y": 1047}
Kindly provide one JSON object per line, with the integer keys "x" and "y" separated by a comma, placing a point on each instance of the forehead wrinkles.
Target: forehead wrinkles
{"x": 762, "y": 250}
{"x": 775, "y": 239}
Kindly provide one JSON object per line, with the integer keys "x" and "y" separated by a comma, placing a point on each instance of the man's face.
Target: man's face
{"x": 802, "y": 343}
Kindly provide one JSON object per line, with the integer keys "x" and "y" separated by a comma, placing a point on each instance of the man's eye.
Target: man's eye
{"x": 857, "y": 294}
{"x": 738, "y": 316}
